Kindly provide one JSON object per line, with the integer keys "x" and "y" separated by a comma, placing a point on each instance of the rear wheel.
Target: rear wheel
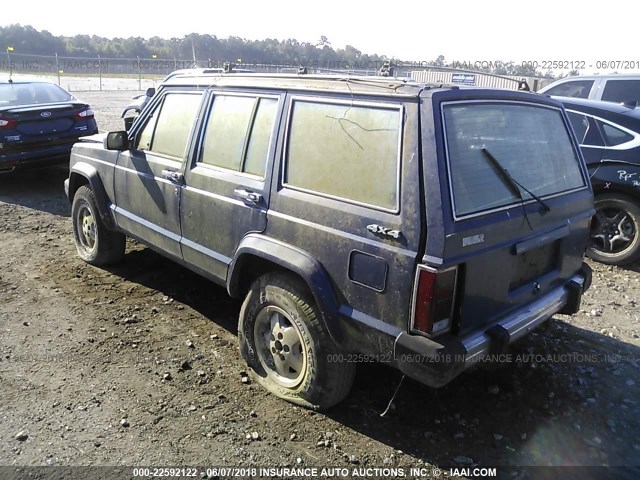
{"x": 615, "y": 230}
{"x": 287, "y": 347}
{"x": 96, "y": 244}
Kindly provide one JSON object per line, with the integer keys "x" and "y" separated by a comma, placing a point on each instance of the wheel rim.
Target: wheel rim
{"x": 613, "y": 231}
{"x": 86, "y": 228}
{"x": 279, "y": 347}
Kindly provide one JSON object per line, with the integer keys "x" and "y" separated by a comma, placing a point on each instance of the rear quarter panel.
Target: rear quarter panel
{"x": 616, "y": 176}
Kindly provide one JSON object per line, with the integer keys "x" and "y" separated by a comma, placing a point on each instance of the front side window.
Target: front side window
{"x": 532, "y": 143}
{"x": 169, "y": 126}
{"x": 345, "y": 151}
{"x": 575, "y": 88}
{"x": 238, "y": 133}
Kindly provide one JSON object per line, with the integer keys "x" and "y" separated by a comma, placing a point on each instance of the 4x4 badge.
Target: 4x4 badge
{"x": 380, "y": 230}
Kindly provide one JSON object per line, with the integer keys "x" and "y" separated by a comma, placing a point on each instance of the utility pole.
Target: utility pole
{"x": 100, "y": 71}
{"x": 9, "y": 50}
{"x": 58, "y": 67}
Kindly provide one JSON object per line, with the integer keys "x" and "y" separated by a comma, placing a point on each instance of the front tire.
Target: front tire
{"x": 286, "y": 346}
{"x": 96, "y": 244}
{"x": 615, "y": 230}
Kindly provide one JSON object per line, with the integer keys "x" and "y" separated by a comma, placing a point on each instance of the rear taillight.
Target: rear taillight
{"x": 85, "y": 114}
{"x": 434, "y": 300}
{"x": 6, "y": 123}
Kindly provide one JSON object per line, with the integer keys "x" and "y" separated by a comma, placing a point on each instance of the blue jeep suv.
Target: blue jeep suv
{"x": 360, "y": 218}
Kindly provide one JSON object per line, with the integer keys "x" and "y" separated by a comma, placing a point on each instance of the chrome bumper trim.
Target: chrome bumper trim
{"x": 536, "y": 313}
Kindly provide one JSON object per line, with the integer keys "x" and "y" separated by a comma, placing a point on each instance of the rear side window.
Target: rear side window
{"x": 577, "y": 88}
{"x": 345, "y": 151}
{"x": 531, "y": 142}
{"x": 580, "y": 125}
{"x": 167, "y": 131}
{"x": 621, "y": 91}
{"x": 584, "y": 126}
{"x": 238, "y": 133}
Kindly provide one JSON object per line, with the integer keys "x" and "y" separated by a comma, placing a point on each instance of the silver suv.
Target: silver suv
{"x": 609, "y": 88}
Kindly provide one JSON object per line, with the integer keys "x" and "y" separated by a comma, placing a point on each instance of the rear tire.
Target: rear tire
{"x": 286, "y": 346}
{"x": 96, "y": 244}
{"x": 615, "y": 230}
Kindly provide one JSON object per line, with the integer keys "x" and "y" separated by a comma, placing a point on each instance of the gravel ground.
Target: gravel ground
{"x": 138, "y": 365}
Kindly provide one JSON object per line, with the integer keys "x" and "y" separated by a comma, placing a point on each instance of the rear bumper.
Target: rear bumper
{"x": 436, "y": 362}
{"x": 25, "y": 156}
{"x": 39, "y": 157}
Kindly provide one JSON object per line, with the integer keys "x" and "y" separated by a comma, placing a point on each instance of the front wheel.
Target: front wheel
{"x": 96, "y": 244}
{"x": 286, "y": 346}
{"x": 615, "y": 230}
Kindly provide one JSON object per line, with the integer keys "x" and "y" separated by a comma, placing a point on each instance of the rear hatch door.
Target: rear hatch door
{"x": 516, "y": 201}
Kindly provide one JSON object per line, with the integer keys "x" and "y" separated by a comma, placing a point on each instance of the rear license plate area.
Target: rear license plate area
{"x": 534, "y": 263}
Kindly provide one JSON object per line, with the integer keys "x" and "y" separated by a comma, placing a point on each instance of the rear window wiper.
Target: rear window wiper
{"x": 511, "y": 182}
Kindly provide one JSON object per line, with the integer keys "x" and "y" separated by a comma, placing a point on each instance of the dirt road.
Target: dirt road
{"x": 138, "y": 365}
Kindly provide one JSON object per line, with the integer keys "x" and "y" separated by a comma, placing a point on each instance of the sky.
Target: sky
{"x": 463, "y": 30}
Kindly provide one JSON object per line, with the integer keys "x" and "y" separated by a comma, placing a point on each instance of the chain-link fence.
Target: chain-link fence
{"x": 103, "y": 73}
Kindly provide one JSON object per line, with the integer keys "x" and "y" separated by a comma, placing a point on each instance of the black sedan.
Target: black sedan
{"x": 609, "y": 137}
{"x": 39, "y": 123}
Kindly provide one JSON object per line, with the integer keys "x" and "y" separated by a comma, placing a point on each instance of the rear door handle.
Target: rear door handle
{"x": 173, "y": 176}
{"x": 248, "y": 196}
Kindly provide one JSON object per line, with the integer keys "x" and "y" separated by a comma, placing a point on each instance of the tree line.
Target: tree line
{"x": 28, "y": 40}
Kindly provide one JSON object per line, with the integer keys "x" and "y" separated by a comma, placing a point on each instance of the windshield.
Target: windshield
{"x": 531, "y": 142}
{"x": 14, "y": 94}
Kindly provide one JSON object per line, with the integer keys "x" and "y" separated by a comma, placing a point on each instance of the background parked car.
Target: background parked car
{"x": 608, "y": 88}
{"x": 609, "y": 136}
{"x": 39, "y": 123}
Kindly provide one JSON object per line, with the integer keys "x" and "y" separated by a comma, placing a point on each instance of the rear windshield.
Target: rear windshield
{"x": 14, "y": 94}
{"x": 531, "y": 142}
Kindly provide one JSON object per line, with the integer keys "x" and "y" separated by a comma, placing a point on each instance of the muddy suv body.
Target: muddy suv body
{"x": 359, "y": 218}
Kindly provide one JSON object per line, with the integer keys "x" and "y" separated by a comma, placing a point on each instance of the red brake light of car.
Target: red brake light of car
{"x": 85, "y": 114}
{"x": 433, "y": 301}
{"x": 6, "y": 123}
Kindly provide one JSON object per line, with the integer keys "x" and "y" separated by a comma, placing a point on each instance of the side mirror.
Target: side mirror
{"x": 150, "y": 92}
{"x": 116, "y": 141}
